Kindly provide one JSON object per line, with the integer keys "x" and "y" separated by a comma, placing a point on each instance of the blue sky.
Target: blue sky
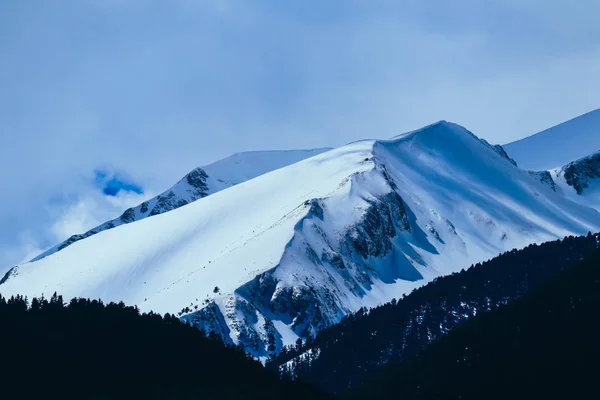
{"x": 147, "y": 90}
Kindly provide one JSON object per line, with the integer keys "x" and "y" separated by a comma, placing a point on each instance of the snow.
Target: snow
{"x": 296, "y": 248}
{"x": 220, "y": 175}
{"x": 164, "y": 263}
{"x": 589, "y": 197}
{"x": 559, "y": 145}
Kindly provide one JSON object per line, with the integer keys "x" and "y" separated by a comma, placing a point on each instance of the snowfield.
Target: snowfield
{"x": 292, "y": 251}
{"x": 559, "y": 145}
{"x": 579, "y": 180}
{"x": 199, "y": 183}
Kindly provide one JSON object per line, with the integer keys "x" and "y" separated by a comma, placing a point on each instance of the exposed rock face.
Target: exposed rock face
{"x": 379, "y": 225}
{"x": 196, "y": 189}
{"x": 8, "y": 274}
{"x": 316, "y": 299}
{"x": 500, "y": 150}
{"x": 579, "y": 173}
{"x": 197, "y": 180}
{"x": 128, "y": 216}
{"x": 75, "y": 238}
{"x": 167, "y": 202}
{"x": 198, "y": 184}
{"x": 290, "y": 253}
{"x": 545, "y": 178}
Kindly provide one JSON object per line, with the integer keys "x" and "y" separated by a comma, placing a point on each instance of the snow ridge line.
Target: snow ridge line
{"x": 250, "y": 311}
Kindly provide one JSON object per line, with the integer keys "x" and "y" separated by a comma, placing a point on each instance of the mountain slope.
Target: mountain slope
{"x": 96, "y": 351}
{"x": 559, "y": 145}
{"x": 291, "y": 252}
{"x": 580, "y": 180}
{"x": 363, "y": 343}
{"x": 199, "y": 183}
{"x": 543, "y": 346}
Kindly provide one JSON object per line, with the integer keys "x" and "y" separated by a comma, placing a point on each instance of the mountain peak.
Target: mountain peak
{"x": 435, "y": 128}
{"x": 291, "y": 252}
{"x": 448, "y": 140}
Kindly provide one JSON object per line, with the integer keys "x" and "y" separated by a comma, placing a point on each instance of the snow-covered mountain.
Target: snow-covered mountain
{"x": 199, "y": 183}
{"x": 565, "y": 158}
{"x": 580, "y": 180}
{"x": 559, "y": 145}
{"x": 292, "y": 251}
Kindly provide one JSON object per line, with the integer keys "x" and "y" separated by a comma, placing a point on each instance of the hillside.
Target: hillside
{"x": 543, "y": 346}
{"x": 579, "y": 180}
{"x": 199, "y": 183}
{"x": 363, "y": 343}
{"x": 88, "y": 350}
{"x": 291, "y": 252}
{"x": 559, "y": 145}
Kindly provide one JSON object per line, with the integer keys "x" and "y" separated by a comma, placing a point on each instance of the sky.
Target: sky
{"x": 104, "y": 103}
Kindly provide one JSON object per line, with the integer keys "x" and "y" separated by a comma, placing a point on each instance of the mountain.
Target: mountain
{"x": 97, "y": 351}
{"x": 543, "y": 346}
{"x": 289, "y": 253}
{"x": 363, "y": 343}
{"x": 580, "y": 180}
{"x": 199, "y": 183}
{"x": 559, "y": 145}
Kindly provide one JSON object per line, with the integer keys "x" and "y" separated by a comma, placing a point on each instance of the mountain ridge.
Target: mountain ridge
{"x": 558, "y": 145}
{"x": 197, "y": 184}
{"x": 398, "y": 331}
{"x": 284, "y": 255}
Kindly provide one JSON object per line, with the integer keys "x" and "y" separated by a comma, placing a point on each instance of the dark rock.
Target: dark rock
{"x": 128, "y": 216}
{"x": 197, "y": 180}
{"x": 579, "y": 173}
{"x": 499, "y": 150}
{"x": 544, "y": 177}
{"x": 167, "y": 202}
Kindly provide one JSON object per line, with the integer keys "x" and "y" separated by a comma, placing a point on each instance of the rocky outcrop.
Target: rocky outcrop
{"x": 372, "y": 237}
{"x": 499, "y": 150}
{"x": 579, "y": 173}
{"x": 197, "y": 180}
{"x": 544, "y": 177}
{"x": 197, "y": 184}
{"x": 11, "y": 272}
{"x": 128, "y": 216}
{"x": 167, "y": 202}
{"x": 310, "y": 301}
{"x": 191, "y": 187}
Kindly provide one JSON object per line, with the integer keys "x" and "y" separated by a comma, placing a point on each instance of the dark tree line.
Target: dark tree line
{"x": 362, "y": 343}
{"x": 545, "y": 345}
{"x": 453, "y": 338}
{"x": 88, "y": 350}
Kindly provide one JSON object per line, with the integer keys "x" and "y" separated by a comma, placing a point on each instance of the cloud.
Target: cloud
{"x": 24, "y": 249}
{"x": 155, "y": 91}
{"x": 112, "y": 185}
{"x": 92, "y": 211}
{"x": 68, "y": 217}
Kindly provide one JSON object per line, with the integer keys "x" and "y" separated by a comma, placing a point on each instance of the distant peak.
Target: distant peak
{"x": 447, "y": 139}
{"x": 442, "y": 122}
{"x": 434, "y": 128}
{"x": 559, "y": 145}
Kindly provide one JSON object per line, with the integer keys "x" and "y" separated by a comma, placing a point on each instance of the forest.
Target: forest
{"x": 545, "y": 345}
{"x": 498, "y": 329}
{"x": 362, "y": 343}
{"x": 89, "y": 350}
